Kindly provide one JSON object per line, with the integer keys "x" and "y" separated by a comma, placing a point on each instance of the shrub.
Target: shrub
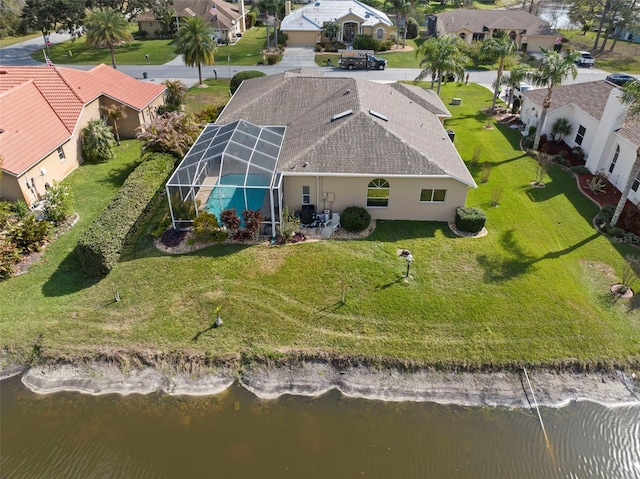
{"x": 364, "y": 42}
{"x": 97, "y": 141}
{"x": 272, "y": 59}
{"x": 172, "y": 133}
{"x": 58, "y": 203}
{"x": 578, "y": 153}
{"x": 580, "y": 170}
{"x": 485, "y": 172}
{"x": 289, "y": 225}
{"x": 470, "y": 220}
{"x": 230, "y": 219}
{"x": 412, "y": 27}
{"x": 251, "y": 18}
{"x": 176, "y": 92}
{"x": 242, "y": 235}
{"x": 5, "y": 213}
{"x": 20, "y": 209}
{"x": 596, "y": 185}
{"x": 100, "y": 246}
{"x": 208, "y": 115}
{"x": 561, "y": 160}
{"x": 560, "y": 128}
{"x": 355, "y": 219}
{"x": 29, "y": 234}
{"x": 206, "y": 228}
{"x": 606, "y": 213}
{"x": 9, "y": 257}
{"x": 319, "y": 47}
{"x": 172, "y": 237}
{"x": 252, "y": 222}
{"x": 239, "y": 77}
{"x": 616, "y": 232}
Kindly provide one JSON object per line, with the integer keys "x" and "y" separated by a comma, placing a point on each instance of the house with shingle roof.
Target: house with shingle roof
{"x": 226, "y": 19}
{"x": 305, "y": 26}
{"x": 471, "y": 25}
{"x": 599, "y": 127}
{"x": 44, "y": 109}
{"x": 340, "y": 142}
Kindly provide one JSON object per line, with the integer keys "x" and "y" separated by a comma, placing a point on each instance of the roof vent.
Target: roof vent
{"x": 342, "y": 115}
{"x": 346, "y": 92}
{"x": 378, "y": 115}
{"x": 3, "y": 72}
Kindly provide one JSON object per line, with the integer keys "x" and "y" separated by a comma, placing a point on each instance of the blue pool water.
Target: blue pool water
{"x": 227, "y": 197}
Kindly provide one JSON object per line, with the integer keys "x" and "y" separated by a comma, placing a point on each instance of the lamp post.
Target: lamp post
{"x": 409, "y": 259}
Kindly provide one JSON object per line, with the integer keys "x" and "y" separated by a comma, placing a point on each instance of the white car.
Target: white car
{"x": 585, "y": 59}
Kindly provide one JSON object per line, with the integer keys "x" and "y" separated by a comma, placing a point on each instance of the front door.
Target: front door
{"x": 349, "y": 31}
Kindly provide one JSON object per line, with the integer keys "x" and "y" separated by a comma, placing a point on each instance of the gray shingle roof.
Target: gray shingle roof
{"x": 590, "y": 97}
{"x": 475, "y": 20}
{"x": 411, "y": 142}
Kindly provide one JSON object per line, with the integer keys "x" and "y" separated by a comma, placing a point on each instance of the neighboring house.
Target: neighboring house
{"x": 478, "y": 25}
{"x": 227, "y": 20}
{"x": 599, "y": 127}
{"x": 326, "y": 144}
{"x": 305, "y": 26}
{"x": 42, "y": 112}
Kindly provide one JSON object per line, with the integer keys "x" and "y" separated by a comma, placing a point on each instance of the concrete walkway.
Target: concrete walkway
{"x": 296, "y": 57}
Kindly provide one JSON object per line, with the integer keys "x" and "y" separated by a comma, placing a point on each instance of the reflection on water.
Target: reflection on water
{"x": 557, "y": 14}
{"x": 236, "y": 435}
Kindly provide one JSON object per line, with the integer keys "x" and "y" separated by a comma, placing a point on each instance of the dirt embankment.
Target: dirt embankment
{"x": 313, "y": 377}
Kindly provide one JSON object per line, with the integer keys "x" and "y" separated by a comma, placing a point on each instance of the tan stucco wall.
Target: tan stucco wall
{"x": 302, "y": 39}
{"x": 149, "y": 27}
{"x": 404, "y": 196}
{"x": 536, "y": 42}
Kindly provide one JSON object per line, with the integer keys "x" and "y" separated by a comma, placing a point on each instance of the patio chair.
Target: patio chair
{"x": 335, "y": 221}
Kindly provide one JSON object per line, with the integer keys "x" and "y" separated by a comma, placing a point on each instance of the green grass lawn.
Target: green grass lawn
{"x": 246, "y": 51}
{"x": 625, "y": 57}
{"x": 133, "y": 53}
{"x": 534, "y": 290}
{"x": 216, "y": 94}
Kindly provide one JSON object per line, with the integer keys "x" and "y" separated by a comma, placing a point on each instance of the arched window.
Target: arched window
{"x": 379, "y": 33}
{"x": 378, "y": 193}
{"x": 463, "y": 36}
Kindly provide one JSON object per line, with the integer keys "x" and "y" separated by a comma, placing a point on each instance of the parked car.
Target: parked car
{"x": 585, "y": 59}
{"x": 620, "y": 79}
{"x": 521, "y": 88}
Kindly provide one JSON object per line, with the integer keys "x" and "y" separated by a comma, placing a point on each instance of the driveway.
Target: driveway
{"x": 296, "y": 57}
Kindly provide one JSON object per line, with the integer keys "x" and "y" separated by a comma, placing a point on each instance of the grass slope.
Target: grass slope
{"x": 534, "y": 290}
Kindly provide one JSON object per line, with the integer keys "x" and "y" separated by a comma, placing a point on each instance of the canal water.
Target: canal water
{"x": 237, "y": 435}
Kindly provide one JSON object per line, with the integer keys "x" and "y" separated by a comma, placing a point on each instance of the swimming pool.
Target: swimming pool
{"x": 225, "y": 197}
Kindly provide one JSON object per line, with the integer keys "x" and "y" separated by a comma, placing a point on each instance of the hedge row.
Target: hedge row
{"x": 470, "y": 220}
{"x": 100, "y": 246}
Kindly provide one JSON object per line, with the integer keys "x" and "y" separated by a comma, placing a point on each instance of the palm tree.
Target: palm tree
{"x": 196, "y": 44}
{"x": 106, "y": 26}
{"x": 630, "y": 96}
{"x": 441, "y": 56}
{"x": 555, "y": 68}
{"x": 115, "y": 113}
{"x": 401, "y": 7}
{"x": 498, "y": 48}
{"x": 517, "y": 75}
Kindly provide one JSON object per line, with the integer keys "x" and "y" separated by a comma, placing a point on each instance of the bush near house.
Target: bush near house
{"x": 100, "y": 246}
{"x": 355, "y": 219}
{"x": 238, "y": 78}
{"x": 470, "y": 220}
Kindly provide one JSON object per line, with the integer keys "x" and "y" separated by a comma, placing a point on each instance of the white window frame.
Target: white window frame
{"x": 432, "y": 195}
{"x": 306, "y": 195}
{"x": 378, "y": 184}
{"x": 379, "y": 33}
{"x": 612, "y": 166}
{"x": 61, "y": 154}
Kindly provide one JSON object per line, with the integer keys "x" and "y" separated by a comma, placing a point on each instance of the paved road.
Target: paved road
{"x": 20, "y": 55}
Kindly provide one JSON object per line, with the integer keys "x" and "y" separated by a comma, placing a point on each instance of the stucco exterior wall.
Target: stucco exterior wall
{"x": 149, "y": 27}
{"x": 404, "y": 196}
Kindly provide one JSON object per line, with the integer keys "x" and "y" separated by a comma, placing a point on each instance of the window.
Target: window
{"x": 432, "y": 196}
{"x": 306, "y": 195}
{"x": 478, "y": 37}
{"x": 580, "y": 135}
{"x": 513, "y": 35}
{"x": 463, "y": 36}
{"x": 378, "y": 193}
{"x": 379, "y": 34}
{"x": 615, "y": 159}
{"x": 61, "y": 154}
{"x": 635, "y": 185}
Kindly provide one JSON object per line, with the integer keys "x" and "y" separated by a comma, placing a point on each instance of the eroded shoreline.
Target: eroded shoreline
{"x": 316, "y": 377}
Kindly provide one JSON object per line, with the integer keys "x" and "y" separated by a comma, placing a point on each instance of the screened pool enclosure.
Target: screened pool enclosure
{"x": 229, "y": 166}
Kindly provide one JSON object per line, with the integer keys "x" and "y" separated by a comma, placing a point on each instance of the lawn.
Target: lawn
{"x": 625, "y": 57}
{"x": 216, "y": 94}
{"x": 246, "y": 51}
{"x": 534, "y": 290}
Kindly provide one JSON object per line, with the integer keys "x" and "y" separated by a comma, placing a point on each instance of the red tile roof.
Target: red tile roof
{"x": 30, "y": 128}
{"x": 40, "y": 106}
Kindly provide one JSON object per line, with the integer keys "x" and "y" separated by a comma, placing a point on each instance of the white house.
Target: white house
{"x": 599, "y": 127}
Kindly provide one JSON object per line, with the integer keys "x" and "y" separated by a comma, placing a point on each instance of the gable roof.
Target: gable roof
{"x": 29, "y": 128}
{"x": 477, "y": 20}
{"x": 222, "y": 15}
{"x": 590, "y": 97}
{"x": 312, "y": 16}
{"x": 383, "y": 131}
{"x": 40, "y": 106}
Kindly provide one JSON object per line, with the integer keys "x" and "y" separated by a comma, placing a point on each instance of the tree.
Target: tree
{"x": 107, "y": 26}
{"x": 401, "y": 7}
{"x": 331, "y": 29}
{"x": 631, "y": 97}
{"x": 196, "y": 44}
{"x": 9, "y": 17}
{"x": 560, "y": 128}
{"x": 554, "y": 70}
{"x": 498, "y": 48}
{"x": 114, "y": 113}
{"x": 517, "y": 75}
{"x": 97, "y": 141}
{"x": 176, "y": 93}
{"x": 129, "y": 8}
{"x": 47, "y": 15}
{"x": 441, "y": 56}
